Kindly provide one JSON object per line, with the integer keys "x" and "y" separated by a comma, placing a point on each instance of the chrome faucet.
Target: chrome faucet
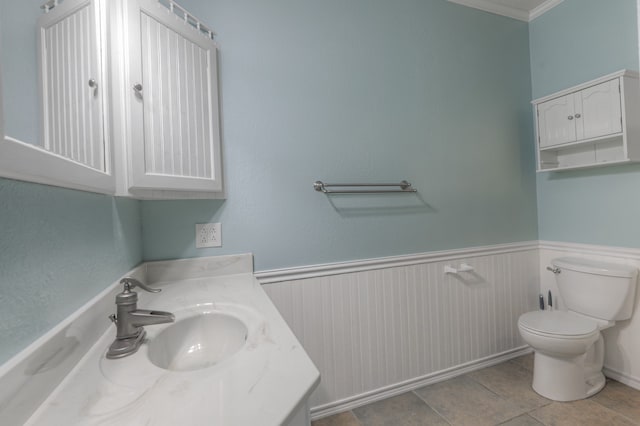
{"x": 130, "y": 320}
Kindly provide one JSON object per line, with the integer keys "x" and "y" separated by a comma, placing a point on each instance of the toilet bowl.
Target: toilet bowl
{"x": 568, "y": 345}
{"x": 569, "y": 354}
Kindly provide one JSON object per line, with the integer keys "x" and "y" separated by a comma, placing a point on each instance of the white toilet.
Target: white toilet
{"x": 568, "y": 345}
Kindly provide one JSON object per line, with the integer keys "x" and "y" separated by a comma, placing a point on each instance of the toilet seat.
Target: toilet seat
{"x": 558, "y": 324}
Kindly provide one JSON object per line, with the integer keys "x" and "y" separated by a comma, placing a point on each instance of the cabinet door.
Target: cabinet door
{"x": 556, "y": 122}
{"x": 598, "y": 110}
{"x": 71, "y": 82}
{"x": 174, "y": 85}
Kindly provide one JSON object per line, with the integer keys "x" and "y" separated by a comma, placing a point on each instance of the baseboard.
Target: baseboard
{"x": 418, "y": 382}
{"x": 621, "y": 377}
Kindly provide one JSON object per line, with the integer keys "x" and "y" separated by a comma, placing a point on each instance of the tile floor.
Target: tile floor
{"x": 498, "y": 395}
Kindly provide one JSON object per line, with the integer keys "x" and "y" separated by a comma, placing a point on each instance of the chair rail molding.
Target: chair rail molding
{"x": 337, "y": 268}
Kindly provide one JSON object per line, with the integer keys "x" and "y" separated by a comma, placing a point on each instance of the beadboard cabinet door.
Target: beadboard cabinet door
{"x": 71, "y": 83}
{"x": 175, "y": 142}
{"x": 555, "y": 121}
{"x": 600, "y": 110}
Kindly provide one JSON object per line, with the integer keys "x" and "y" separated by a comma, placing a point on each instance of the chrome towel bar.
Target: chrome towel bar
{"x": 404, "y": 187}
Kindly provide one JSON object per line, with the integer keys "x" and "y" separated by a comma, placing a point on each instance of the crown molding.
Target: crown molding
{"x": 543, "y": 8}
{"x": 498, "y": 9}
{"x": 511, "y": 12}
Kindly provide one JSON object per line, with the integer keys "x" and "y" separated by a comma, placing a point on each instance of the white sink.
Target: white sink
{"x": 229, "y": 359}
{"x": 198, "y": 342}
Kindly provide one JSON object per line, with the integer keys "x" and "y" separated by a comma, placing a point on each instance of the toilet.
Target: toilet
{"x": 568, "y": 345}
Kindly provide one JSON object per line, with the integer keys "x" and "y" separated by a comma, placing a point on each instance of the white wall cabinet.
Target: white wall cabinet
{"x": 173, "y": 103}
{"x": 590, "y": 113}
{"x": 589, "y": 125}
{"x": 129, "y": 102}
{"x": 70, "y": 82}
{"x": 74, "y": 151}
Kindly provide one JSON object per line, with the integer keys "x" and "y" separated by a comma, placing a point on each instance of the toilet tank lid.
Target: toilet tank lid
{"x": 596, "y": 267}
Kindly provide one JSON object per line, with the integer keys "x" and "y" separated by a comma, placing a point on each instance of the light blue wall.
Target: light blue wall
{"x": 58, "y": 249}
{"x": 580, "y": 40}
{"x": 362, "y": 91}
{"x": 575, "y": 42}
{"x": 18, "y": 69}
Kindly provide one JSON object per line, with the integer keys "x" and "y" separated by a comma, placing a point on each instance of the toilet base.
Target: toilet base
{"x": 566, "y": 379}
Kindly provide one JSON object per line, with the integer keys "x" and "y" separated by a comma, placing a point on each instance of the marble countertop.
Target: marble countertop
{"x": 263, "y": 383}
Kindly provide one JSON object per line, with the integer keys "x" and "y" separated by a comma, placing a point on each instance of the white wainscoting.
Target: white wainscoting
{"x": 380, "y": 327}
{"x": 622, "y": 341}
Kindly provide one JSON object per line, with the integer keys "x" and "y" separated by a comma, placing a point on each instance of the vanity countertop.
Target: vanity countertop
{"x": 262, "y": 384}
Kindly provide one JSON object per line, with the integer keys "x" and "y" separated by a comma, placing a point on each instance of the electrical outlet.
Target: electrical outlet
{"x": 208, "y": 235}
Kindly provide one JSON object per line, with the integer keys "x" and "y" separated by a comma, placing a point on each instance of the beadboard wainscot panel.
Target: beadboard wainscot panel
{"x": 622, "y": 342}
{"x": 380, "y": 327}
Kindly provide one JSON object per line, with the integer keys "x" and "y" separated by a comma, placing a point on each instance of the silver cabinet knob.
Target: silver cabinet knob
{"x": 578, "y": 115}
{"x": 92, "y": 83}
{"x": 137, "y": 88}
{"x": 570, "y": 117}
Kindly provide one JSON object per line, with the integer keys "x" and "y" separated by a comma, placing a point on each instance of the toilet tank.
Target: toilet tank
{"x": 598, "y": 289}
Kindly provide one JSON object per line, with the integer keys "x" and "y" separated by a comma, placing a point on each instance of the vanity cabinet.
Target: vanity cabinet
{"x": 588, "y": 125}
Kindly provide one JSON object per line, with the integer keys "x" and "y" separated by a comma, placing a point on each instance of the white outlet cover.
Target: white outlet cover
{"x": 208, "y": 235}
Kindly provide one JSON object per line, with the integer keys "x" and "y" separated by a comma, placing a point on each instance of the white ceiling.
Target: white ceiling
{"x": 524, "y": 10}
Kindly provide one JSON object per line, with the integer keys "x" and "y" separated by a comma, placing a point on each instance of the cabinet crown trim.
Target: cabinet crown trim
{"x": 613, "y": 75}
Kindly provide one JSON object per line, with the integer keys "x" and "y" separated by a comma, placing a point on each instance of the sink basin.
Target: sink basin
{"x": 198, "y": 342}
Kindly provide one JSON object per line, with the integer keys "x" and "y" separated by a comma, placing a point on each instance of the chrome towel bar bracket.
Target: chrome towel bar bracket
{"x": 405, "y": 187}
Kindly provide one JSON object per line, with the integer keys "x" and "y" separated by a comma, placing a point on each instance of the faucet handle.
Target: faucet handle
{"x": 130, "y": 283}
{"x": 554, "y": 269}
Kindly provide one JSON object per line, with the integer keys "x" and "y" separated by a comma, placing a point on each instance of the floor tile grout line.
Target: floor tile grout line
{"x": 469, "y": 375}
{"x": 535, "y": 413}
{"x": 591, "y": 398}
{"x": 355, "y": 416}
{"x": 504, "y": 398}
{"x": 434, "y": 410}
{"x": 481, "y": 384}
{"x": 530, "y": 413}
{"x": 507, "y": 398}
{"x": 537, "y": 419}
{"x": 514, "y": 362}
{"x": 523, "y": 414}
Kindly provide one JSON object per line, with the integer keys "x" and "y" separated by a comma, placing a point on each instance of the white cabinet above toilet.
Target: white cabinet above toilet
{"x": 589, "y": 125}
{"x": 587, "y": 114}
